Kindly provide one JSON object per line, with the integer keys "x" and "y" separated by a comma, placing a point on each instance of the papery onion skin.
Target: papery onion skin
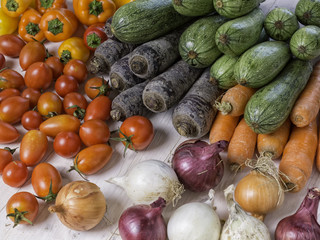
{"x": 198, "y": 165}
{"x": 142, "y": 222}
{"x": 80, "y": 205}
{"x": 303, "y": 224}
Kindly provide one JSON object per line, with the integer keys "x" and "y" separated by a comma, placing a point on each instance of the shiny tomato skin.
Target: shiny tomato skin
{"x": 92, "y": 84}
{"x": 2, "y": 61}
{"x": 24, "y": 202}
{"x": 31, "y": 120}
{"x": 56, "y": 66}
{"x": 66, "y": 84}
{"x": 11, "y": 79}
{"x": 74, "y": 98}
{"x": 32, "y": 52}
{"x": 42, "y": 175}
{"x": 8, "y": 133}
{"x": 94, "y": 131}
{"x": 33, "y": 147}
{"x": 9, "y": 92}
{"x": 39, "y": 76}
{"x": 33, "y": 95}
{"x": 15, "y": 174}
{"x": 141, "y": 130}
{"x": 91, "y": 159}
{"x": 49, "y": 102}
{"x": 5, "y": 158}
{"x": 11, "y": 45}
{"x": 60, "y": 123}
{"x": 77, "y": 69}
{"x": 98, "y": 108}
{"x": 67, "y": 144}
{"x": 12, "y": 109}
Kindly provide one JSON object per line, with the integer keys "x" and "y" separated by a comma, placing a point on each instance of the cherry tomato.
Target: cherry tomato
{"x": 15, "y": 174}
{"x": 56, "y": 66}
{"x": 9, "y": 92}
{"x": 31, "y": 120}
{"x": 10, "y": 78}
{"x": 91, "y": 159}
{"x": 96, "y": 86}
{"x": 2, "y": 61}
{"x": 5, "y": 157}
{"x": 137, "y": 132}
{"x": 49, "y": 103}
{"x": 32, "y": 52}
{"x": 11, "y": 45}
{"x": 66, "y": 84}
{"x": 77, "y": 69}
{"x": 33, "y": 95}
{"x": 23, "y": 204}
{"x": 67, "y": 144}
{"x": 12, "y": 109}
{"x": 94, "y": 36}
{"x": 33, "y": 147}
{"x": 45, "y": 176}
{"x": 8, "y": 133}
{"x": 98, "y": 108}
{"x": 38, "y": 76}
{"x": 75, "y": 104}
{"x": 93, "y": 132}
{"x": 60, "y": 123}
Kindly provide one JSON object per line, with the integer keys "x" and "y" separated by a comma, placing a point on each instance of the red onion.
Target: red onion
{"x": 198, "y": 164}
{"x": 141, "y": 222}
{"x": 303, "y": 224}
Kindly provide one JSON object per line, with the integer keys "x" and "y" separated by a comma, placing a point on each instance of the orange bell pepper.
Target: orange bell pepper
{"x": 58, "y": 24}
{"x": 45, "y": 5}
{"x": 13, "y": 8}
{"x": 93, "y": 11}
{"x": 29, "y": 26}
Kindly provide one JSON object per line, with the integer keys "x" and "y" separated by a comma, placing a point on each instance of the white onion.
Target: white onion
{"x": 149, "y": 180}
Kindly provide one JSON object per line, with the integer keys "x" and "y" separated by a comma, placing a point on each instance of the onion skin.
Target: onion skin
{"x": 143, "y": 222}
{"x": 198, "y": 165}
{"x": 303, "y": 224}
{"x": 80, "y": 205}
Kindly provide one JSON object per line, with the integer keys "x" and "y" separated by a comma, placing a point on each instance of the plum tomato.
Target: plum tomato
{"x": 67, "y": 144}
{"x": 66, "y": 84}
{"x": 49, "y": 104}
{"x": 94, "y": 131}
{"x": 77, "y": 69}
{"x": 98, "y": 108}
{"x": 12, "y": 109}
{"x": 39, "y": 76}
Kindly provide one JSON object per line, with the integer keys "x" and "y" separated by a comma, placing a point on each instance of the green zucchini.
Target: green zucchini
{"x": 235, "y": 8}
{"x": 193, "y": 8}
{"x": 143, "y": 20}
{"x": 222, "y": 72}
{"x": 281, "y": 23}
{"x": 261, "y": 63}
{"x": 271, "y": 105}
{"x": 308, "y": 12}
{"x": 236, "y": 36}
{"x": 305, "y": 43}
{"x": 197, "y": 45}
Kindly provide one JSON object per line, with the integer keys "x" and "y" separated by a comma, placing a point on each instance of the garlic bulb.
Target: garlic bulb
{"x": 240, "y": 225}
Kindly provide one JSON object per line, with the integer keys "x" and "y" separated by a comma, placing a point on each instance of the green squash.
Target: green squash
{"x": 308, "y": 12}
{"x": 193, "y": 8}
{"x": 235, "y": 8}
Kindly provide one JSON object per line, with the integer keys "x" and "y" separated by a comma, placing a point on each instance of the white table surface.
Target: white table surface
{"x": 47, "y": 226}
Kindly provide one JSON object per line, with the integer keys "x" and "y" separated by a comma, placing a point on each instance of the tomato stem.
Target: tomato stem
{"x": 79, "y": 112}
{"x": 11, "y": 150}
{"x": 126, "y": 140}
{"x": 103, "y": 89}
{"x": 51, "y": 196}
{"x": 75, "y": 167}
{"x": 51, "y": 114}
{"x": 18, "y": 217}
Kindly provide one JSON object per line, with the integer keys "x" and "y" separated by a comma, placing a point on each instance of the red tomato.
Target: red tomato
{"x": 15, "y": 174}
{"x": 9, "y": 92}
{"x": 11, "y": 45}
{"x": 11, "y": 79}
{"x": 56, "y": 66}
{"x": 137, "y": 132}
{"x": 38, "y": 76}
{"x": 44, "y": 175}
{"x": 5, "y": 157}
{"x": 93, "y": 132}
{"x": 66, "y": 84}
{"x": 98, "y": 108}
{"x": 91, "y": 159}
{"x": 32, "y": 52}
{"x": 33, "y": 95}
{"x": 61, "y": 123}
{"x": 75, "y": 104}
{"x": 26, "y": 204}
{"x": 94, "y": 36}
{"x": 96, "y": 86}
{"x": 2, "y": 61}
{"x": 49, "y": 103}
{"x": 77, "y": 69}
{"x": 12, "y": 109}
{"x": 33, "y": 147}
{"x": 8, "y": 133}
{"x": 67, "y": 144}
{"x": 31, "y": 120}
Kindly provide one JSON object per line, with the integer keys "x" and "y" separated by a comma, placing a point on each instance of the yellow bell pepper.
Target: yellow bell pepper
{"x": 73, "y": 48}
{"x": 13, "y": 8}
{"x": 8, "y": 24}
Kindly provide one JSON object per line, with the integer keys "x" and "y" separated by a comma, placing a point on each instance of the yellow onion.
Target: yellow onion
{"x": 80, "y": 205}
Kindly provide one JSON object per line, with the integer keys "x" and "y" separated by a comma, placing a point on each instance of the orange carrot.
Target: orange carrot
{"x": 222, "y": 128}
{"x": 298, "y": 156}
{"x": 318, "y": 153}
{"x": 306, "y": 108}
{"x": 235, "y": 100}
{"x": 241, "y": 146}
{"x": 272, "y": 144}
